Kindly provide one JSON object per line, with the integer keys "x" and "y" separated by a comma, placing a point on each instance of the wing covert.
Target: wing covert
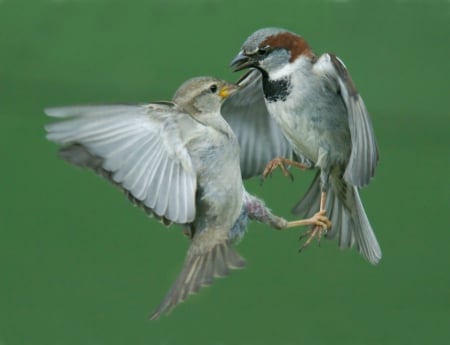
{"x": 141, "y": 148}
{"x": 364, "y": 152}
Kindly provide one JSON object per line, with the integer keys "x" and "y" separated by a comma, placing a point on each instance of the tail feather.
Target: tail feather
{"x": 365, "y": 239}
{"x": 346, "y": 212}
{"x": 346, "y": 238}
{"x": 221, "y": 262}
{"x": 208, "y": 270}
{"x": 309, "y": 204}
{"x": 200, "y": 270}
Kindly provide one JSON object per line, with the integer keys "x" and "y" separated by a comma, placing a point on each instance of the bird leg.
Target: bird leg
{"x": 319, "y": 220}
{"x": 282, "y": 162}
{"x": 257, "y": 210}
{"x": 317, "y": 230}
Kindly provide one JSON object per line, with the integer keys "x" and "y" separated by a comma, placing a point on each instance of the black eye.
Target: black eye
{"x": 213, "y": 88}
{"x": 262, "y": 51}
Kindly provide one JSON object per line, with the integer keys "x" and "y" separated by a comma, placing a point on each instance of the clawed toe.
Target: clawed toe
{"x": 321, "y": 220}
{"x": 272, "y": 165}
{"x": 282, "y": 163}
{"x": 321, "y": 227}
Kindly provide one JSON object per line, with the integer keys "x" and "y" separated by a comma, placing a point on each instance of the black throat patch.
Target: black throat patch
{"x": 276, "y": 90}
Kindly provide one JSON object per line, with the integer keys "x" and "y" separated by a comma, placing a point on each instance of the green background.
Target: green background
{"x": 79, "y": 265}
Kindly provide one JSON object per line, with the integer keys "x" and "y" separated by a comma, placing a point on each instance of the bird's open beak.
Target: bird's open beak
{"x": 227, "y": 90}
{"x": 242, "y": 61}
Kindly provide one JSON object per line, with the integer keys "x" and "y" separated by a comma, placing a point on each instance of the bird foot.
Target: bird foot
{"x": 318, "y": 220}
{"x": 281, "y": 163}
{"x": 321, "y": 227}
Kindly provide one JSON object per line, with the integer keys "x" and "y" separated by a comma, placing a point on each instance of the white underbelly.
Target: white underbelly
{"x": 299, "y": 131}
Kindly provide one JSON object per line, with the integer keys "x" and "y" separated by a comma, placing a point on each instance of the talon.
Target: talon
{"x": 286, "y": 172}
{"x": 303, "y": 235}
{"x": 321, "y": 225}
{"x": 309, "y": 239}
{"x": 271, "y": 166}
{"x": 317, "y": 220}
{"x": 324, "y": 222}
{"x": 316, "y": 231}
{"x": 281, "y": 163}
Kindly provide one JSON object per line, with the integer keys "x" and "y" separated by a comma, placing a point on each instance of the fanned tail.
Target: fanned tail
{"x": 200, "y": 270}
{"x": 346, "y": 212}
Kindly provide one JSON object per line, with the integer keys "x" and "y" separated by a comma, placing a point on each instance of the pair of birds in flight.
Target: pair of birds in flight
{"x": 183, "y": 161}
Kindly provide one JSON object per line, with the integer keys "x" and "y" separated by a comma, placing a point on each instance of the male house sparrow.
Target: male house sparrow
{"x": 179, "y": 161}
{"x": 322, "y": 117}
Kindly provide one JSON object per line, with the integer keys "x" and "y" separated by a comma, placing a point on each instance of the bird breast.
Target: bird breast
{"x": 313, "y": 118}
{"x": 219, "y": 181}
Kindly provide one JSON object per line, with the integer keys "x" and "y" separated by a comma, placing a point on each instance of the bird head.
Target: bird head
{"x": 271, "y": 49}
{"x": 203, "y": 94}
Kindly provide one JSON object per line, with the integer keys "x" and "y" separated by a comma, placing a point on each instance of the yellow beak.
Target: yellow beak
{"x": 227, "y": 90}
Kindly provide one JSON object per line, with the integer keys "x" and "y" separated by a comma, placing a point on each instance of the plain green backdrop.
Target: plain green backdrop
{"x": 80, "y": 265}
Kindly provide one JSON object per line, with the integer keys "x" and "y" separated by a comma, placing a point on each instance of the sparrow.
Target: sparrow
{"x": 179, "y": 161}
{"x": 315, "y": 119}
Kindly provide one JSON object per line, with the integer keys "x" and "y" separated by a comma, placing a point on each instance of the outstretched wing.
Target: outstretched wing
{"x": 260, "y": 138}
{"x": 141, "y": 148}
{"x": 364, "y": 154}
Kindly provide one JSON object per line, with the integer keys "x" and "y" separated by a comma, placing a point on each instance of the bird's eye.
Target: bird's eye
{"x": 262, "y": 51}
{"x": 213, "y": 88}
